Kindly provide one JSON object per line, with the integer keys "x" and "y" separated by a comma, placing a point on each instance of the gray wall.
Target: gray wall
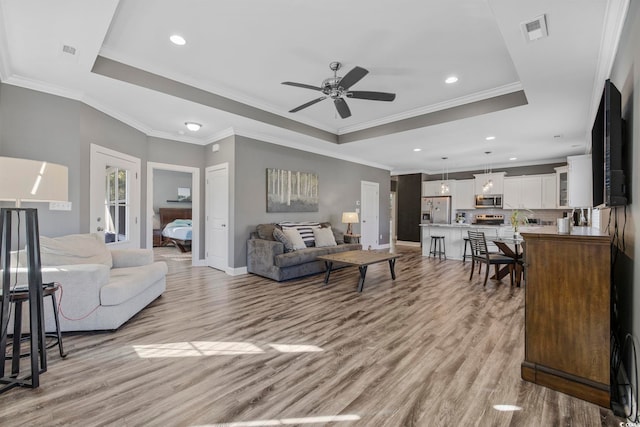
{"x": 45, "y": 127}
{"x": 339, "y": 188}
{"x": 40, "y": 126}
{"x": 515, "y": 171}
{"x": 165, "y": 188}
{"x": 625, "y": 74}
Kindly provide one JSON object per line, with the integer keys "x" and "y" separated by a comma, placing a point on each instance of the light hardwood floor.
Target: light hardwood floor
{"x": 430, "y": 349}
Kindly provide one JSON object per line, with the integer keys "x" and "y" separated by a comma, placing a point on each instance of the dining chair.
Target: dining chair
{"x": 481, "y": 255}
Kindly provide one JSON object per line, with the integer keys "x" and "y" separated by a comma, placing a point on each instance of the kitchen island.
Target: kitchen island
{"x": 454, "y": 235}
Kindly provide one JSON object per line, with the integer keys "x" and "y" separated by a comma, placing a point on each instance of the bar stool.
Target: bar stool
{"x": 17, "y": 297}
{"x": 437, "y": 247}
{"x": 464, "y": 254}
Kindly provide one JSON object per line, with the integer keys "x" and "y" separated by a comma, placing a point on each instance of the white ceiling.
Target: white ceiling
{"x": 244, "y": 49}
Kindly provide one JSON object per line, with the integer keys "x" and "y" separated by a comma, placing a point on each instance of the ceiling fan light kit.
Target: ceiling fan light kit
{"x": 337, "y": 88}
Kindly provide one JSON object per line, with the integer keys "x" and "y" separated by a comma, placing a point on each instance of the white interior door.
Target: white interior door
{"x": 217, "y": 213}
{"x": 370, "y": 214}
{"x": 114, "y": 180}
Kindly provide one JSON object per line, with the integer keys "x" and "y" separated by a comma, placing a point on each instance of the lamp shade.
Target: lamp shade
{"x": 33, "y": 181}
{"x": 349, "y": 217}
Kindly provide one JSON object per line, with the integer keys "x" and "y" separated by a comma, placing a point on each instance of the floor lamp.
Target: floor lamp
{"x": 29, "y": 181}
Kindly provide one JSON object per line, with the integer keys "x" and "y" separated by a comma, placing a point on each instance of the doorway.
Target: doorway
{"x": 370, "y": 214}
{"x": 152, "y": 167}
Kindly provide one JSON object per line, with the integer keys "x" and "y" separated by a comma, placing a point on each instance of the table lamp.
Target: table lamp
{"x": 349, "y": 218}
{"x": 32, "y": 181}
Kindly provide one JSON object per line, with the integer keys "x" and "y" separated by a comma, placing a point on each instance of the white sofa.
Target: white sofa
{"x": 100, "y": 288}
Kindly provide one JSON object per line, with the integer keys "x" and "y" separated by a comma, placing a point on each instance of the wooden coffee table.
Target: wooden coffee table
{"x": 362, "y": 259}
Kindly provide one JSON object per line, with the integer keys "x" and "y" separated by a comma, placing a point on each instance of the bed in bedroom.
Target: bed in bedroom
{"x": 176, "y": 227}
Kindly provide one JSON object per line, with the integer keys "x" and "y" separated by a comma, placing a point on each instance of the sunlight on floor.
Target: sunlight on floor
{"x": 287, "y": 421}
{"x": 295, "y": 348}
{"x": 507, "y": 408}
{"x": 215, "y": 348}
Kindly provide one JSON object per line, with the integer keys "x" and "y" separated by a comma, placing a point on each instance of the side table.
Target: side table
{"x": 17, "y": 297}
{"x": 352, "y": 238}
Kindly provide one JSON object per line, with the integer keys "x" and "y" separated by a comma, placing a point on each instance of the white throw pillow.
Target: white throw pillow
{"x": 294, "y": 237}
{"x": 324, "y": 237}
{"x": 74, "y": 249}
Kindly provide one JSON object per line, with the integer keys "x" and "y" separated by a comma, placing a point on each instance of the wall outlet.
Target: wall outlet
{"x": 357, "y": 210}
{"x": 59, "y": 206}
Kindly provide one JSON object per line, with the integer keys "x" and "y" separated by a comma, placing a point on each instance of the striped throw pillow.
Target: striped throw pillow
{"x": 305, "y": 229}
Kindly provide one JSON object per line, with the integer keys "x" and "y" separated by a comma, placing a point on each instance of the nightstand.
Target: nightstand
{"x": 352, "y": 238}
{"x": 157, "y": 237}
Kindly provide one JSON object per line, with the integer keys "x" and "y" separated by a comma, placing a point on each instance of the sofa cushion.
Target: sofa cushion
{"x": 74, "y": 249}
{"x": 294, "y": 237}
{"x": 126, "y": 283}
{"x": 324, "y": 237}
{"x": 304, "y": 228}
{"x": 299, "y": 257}
{"x": 282, "y": 238}
{"x": 265, "y": 231}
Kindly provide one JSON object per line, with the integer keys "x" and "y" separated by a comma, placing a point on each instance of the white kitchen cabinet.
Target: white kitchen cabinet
{"x": 511, "y": 195}
{"x": 522, "y": 192}
{"x": 464, "y": 196}
{"x": 549, "y": 187}
{"x": 562, "y": 187}
{"x": 497, "y": 178}
{"x": 580, "y": 181}
{"x": 431, "y": 188}
{"x": 531, "y": 192}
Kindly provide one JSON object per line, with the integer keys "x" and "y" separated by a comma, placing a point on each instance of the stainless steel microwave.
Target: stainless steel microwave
{"x": 489, "y": 201}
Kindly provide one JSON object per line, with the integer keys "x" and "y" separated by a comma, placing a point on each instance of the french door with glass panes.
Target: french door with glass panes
{"x": 115, "y": 197}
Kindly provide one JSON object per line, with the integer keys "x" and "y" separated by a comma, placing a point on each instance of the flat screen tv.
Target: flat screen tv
{"x": 606, "y": 151}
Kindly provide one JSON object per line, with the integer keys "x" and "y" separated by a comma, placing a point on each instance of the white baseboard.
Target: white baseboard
{"x": 385, "y": 246}
{"x": 236, "y": 271}
{"x": 403, "y": 243}
{"x": 199, "y": 263}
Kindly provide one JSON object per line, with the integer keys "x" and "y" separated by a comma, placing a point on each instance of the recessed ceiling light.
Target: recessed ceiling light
{"x": 192, "y": 126}
{"x": 417, "y": 149}
{"x": 451, "y": 79}
{"x": 178, "y": 40}
{"x": 513, "y": 158}
{"x": 490, "y": 138}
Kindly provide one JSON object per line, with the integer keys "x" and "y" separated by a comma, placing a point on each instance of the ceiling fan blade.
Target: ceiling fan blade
{"x": 342, "y": 107}
{"x": 352, "y": 77}
{"x": 308, "y": 104}
{"x": 302, "y": 85}
{"x": 374, "y": 96}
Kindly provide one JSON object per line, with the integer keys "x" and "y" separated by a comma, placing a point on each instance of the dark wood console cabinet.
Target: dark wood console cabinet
{"x": 567, "y": 313}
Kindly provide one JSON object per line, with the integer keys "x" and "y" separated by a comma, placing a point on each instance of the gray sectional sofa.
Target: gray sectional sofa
{"x": 267, "y": 257}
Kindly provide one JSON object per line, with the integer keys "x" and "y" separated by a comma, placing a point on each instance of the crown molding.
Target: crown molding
{"x": 40, "y": 86}
{"x": 219, "y": 136}
{"x": 283, "y": 141}
{"x": 478, "y": 96}
{"x": 612, "y": 30}
{"x": 128, "y": 120}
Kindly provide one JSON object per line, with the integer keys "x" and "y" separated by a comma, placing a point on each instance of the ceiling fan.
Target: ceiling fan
{"x": 337, "y": 88}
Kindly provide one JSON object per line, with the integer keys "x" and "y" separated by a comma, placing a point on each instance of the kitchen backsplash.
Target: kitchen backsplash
{"x": 543, "y": 216}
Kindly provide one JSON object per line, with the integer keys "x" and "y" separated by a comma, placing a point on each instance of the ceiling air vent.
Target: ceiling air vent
{"x": 69, "y": 49}
{"x": 535, "y": 29}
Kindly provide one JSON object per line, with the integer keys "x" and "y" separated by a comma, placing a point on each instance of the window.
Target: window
{"x": 116, "y": 205}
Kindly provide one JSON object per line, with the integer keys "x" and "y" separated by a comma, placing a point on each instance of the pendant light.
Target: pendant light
{"x": 444, "y": 185}
{"x": 488, "y": 185}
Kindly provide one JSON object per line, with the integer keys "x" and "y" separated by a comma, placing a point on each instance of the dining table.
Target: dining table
{"x": 510, "y": 246}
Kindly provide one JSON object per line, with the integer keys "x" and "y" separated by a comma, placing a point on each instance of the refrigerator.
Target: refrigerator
{"x": 436, "y": 210}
